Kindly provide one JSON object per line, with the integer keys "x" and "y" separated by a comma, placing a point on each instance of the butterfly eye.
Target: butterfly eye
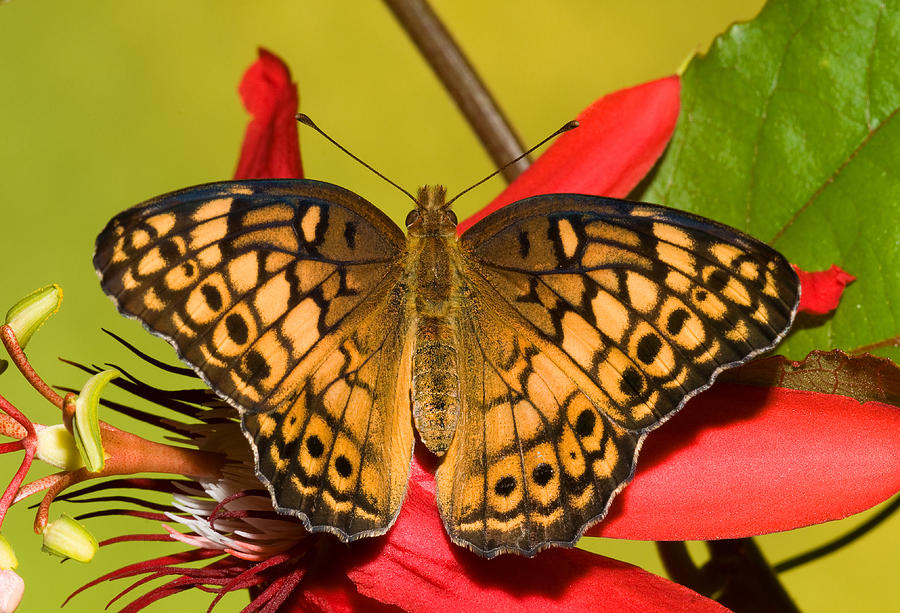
{"x": 452, "y": 216}
{"x": 412, "y": 218}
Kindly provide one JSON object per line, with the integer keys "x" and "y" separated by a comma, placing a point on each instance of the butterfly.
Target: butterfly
{"x": 534, "y": 352}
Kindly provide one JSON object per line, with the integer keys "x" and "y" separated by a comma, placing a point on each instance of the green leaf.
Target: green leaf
{"x": 789, "y": 131}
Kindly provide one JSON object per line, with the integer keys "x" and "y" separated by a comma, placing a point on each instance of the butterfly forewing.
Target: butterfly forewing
{"x": 618, "y": 313}
{"x": 645, "y": 304}
{"x": 259, "y": 286}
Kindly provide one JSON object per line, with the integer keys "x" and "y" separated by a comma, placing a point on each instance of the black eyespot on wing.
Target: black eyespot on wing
{"x": 542, "y": 474}
{"x": 350, "y": 234}
{"x": 314, "y": 446}
{"x": 505, "y": 486}
{"x": 584, "y": 424}
{"x": 212, "y": 296}
{"x": 256, "y": 365}
{"x": 169, "y": 251}
{"x": 343, "y": 466}
{"x": 717, "y": 280}
{"x": 524, "y": 244}
{"x": 648, "y": 348}
{"x": 237, "y": 328}
{"x": 675, "y": 322}
{"x": 632, "y": 382}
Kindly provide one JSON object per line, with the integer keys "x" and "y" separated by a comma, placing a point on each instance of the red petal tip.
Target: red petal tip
{"x": 271, "y": 149}
{"x": 821, "y": 290}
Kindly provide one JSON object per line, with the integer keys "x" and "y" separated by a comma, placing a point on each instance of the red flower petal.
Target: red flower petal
{"x": 821, "y": 290}
{"x": 741, "y": 460}
{"x": 619, "y": 139}
{"x": 334, "y": 594}
{"x": 270, "y": 149}
{"x": 418, "y": 569}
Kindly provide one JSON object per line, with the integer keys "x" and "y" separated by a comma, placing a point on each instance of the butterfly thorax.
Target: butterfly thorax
{"x": 433, "y": 269}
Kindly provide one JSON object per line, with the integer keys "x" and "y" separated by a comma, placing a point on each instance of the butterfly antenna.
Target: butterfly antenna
{"x": 569, "y": 126}
{"x": 305, "y": 120}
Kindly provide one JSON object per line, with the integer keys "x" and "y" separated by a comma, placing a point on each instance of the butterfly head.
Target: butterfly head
{"x": 432, "y": 215}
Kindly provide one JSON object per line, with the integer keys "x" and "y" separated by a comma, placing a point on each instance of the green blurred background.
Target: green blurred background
{"x": 104, "y": 104}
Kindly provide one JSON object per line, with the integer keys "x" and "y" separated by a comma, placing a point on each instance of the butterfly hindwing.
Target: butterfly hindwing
{"x": 259, "y": 285}
{"x": 534, "y": 461}
{"x": 624, "y": 307}
{"x": 337, "y": 453}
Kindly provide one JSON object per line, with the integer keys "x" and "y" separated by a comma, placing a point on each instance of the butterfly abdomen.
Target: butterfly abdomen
{"x": 435, "y": 383}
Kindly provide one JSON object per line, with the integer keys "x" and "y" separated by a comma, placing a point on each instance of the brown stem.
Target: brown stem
{"x": 459, "y": 78}
{"x": 750, "y": 583}
{"x": 63, "y": 481}
{"x": 69, "y": 410}
{"x": 681, "y": 568}
{"x": 131, "y": 454}
{"x": 737, "y": 575}
{"x": 18, "y": 357}
{"x": 38, "y": 485}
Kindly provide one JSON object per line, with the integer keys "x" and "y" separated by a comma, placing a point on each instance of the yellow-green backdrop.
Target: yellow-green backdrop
{"x": 105, "y": 103}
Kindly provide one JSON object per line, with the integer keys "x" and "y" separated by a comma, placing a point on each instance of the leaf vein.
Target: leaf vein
{"x": 833, "y": 176}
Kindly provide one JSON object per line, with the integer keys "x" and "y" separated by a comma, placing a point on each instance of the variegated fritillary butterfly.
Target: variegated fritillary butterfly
{"x": 535, "y": 352}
